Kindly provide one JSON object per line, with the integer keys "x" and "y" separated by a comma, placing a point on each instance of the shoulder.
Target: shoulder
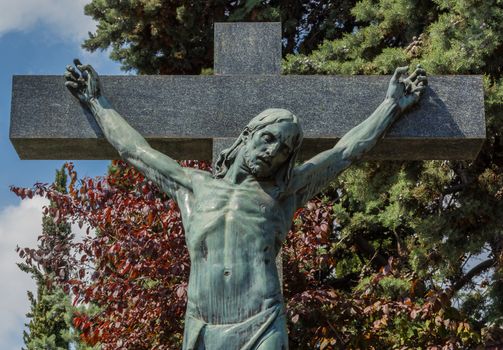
{"x": 199, "y": 176}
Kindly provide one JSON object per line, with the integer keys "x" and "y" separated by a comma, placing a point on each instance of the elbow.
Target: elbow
{"x": 346, "y": 150}
{"x": 352, "y": 152}
{"x": 130, "y": 151}
{"x": 349, "y": 157}
{"x": 126, "y": 152}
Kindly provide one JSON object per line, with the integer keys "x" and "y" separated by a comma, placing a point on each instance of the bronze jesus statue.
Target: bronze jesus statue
{"x": 237, "y": 218}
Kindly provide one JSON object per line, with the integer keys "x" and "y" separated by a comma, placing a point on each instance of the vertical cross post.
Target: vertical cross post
{"x": 246, "y": 49}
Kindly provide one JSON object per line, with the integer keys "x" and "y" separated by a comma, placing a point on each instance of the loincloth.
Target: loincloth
{"x": 246, "y": 335}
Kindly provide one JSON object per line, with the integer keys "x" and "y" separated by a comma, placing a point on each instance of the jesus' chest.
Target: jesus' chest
{"x": 227, "y": 217}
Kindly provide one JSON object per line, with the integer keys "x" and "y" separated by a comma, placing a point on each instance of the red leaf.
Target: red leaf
{"x": 108, "y": 215}
{"x": 77, "y": 321}
{"x": 150, "y": 218}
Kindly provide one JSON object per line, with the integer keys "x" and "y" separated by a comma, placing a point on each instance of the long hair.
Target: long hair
{"x": 267, "y": 117}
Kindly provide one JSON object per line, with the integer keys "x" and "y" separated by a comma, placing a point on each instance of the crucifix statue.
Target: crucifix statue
{"x": 237, "y": 218}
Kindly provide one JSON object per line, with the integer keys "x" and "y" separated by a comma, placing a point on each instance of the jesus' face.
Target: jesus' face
{"x": 267, "y": 149}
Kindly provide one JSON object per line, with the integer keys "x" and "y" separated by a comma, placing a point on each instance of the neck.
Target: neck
{"x": 238, "y": 171}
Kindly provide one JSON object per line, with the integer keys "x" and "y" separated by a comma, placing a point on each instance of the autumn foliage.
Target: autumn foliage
{"x": 134, "y": 267}
{"x": 132, "y": 264}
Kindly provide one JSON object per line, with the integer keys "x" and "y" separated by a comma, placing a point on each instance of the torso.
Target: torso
{"x": 234, "y": 232}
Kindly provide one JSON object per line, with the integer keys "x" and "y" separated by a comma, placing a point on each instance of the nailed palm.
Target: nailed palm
{"x": 83, "y": 81}
{"x": 408, "y": 91}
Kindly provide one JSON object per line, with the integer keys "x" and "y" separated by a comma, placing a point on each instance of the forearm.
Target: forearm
{"x": 116, "y": 129}
{"x": 312, "y": 176}
{"x": 364, "y": 136}
{"x": 315, "y": 174}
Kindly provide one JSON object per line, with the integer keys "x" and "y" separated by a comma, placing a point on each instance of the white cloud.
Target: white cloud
{"x": 19, "y": 225}
{"x": 65, "y": 18}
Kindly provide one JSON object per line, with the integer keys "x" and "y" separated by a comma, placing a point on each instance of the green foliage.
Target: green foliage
{"x": 172, "y": 37}
{"x": 47, "y": 324}
{"x": 50, "y": 325}
{"x": 435, "y": 215}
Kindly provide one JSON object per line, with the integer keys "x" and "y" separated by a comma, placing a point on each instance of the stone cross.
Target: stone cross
{"x": 194, "y": 117}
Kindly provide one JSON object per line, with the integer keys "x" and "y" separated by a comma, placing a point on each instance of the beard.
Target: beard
{"x": 258, "y": 170}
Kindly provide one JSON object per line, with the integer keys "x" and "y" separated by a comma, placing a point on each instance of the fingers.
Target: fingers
{"x": 419, "y": 90}
{"x": 85, "y": 69}
{"x": 72, "y": 72}
{"x": 75, "y": 82}
{"x": 82, "y": 81}
{"x": 398, "y": 73}
{"x": 415, "y": 86}
{"x": 81, "y": 67}
{"x": 422, "y": 80}
{"x": 411, "y": 85}
{"x": 72, "y": 76}
{"x": 74, "y": 89}
{"x": 72, "y": 85}
{"x": 419, "y": 72}
{"x": 416, "y": 82}
{"x": 69, "y": 76}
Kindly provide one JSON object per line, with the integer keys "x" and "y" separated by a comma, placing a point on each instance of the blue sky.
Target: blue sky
{"x": 36, "y": 37}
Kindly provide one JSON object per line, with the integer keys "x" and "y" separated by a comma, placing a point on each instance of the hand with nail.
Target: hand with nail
{"x": 407, "y": 92}
{"x": 83, "y": 81}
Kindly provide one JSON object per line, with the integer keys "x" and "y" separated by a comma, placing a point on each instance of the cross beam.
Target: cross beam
{"x": 192, "y": 117}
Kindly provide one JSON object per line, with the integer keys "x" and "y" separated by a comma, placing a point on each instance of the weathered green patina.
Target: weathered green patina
{"x": 236, "y": 219}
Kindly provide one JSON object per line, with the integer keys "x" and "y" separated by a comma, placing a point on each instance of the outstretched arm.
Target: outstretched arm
{"x": 132, "y": 147}
{"x": 314, "y": 175}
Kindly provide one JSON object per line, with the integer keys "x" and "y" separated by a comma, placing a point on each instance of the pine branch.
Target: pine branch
{"x": 366, "y": 248}
{"x": 457, "y": 188}
{"x": 476, "y": 270}
{"x": 344, "y": 283}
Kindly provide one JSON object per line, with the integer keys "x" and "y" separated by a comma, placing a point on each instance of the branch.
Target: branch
{"x": 457, "y": 188}
{"x": 366, "y": 248}
{"x": 344, "y": 283}
{"x": 484, "y": 265}
{"x": 466, "y": 180}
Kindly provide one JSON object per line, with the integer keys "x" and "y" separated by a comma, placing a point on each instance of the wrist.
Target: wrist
{"x": 93, "y": 103}
{"x": 392, "y": 105}
{"x": 96, "y": 103}
{"x": 390, "y": 101}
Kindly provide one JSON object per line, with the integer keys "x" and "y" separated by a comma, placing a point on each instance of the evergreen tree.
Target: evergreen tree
{"x": 175, "y": 37}
{"x": 437, "y": 216}
{"x": 51, "y": 313}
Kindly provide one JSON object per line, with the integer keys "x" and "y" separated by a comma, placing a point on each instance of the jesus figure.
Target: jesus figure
{"x": 236, "y": 219}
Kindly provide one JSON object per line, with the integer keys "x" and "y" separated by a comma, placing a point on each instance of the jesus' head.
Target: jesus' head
{"x": 268, "y": 146}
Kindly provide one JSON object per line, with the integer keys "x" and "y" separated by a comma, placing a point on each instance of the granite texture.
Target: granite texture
{"x": 247, "y": 48}
{"x": 181, "y": 115}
